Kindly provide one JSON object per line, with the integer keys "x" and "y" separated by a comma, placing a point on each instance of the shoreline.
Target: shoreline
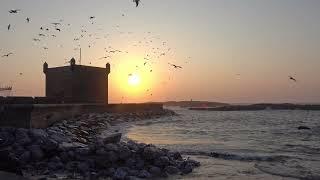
{"x": 89, "y": 146}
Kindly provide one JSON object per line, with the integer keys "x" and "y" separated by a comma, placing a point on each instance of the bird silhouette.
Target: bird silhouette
{"x": 292, "y": 78}
{"x": 42, "y": 35}
{"x": 56, "y": 24}
{"x": 105, "y": 57}
{"x": 14, "y": 11}
{"x": 58, "y": 29}
{"x": 35, "y": 39}
{"x": 28, "y": 20}
{"x": 7, "y": 55}
{"x": 137, "y": 2}
{"x": 92, "y": 17}
{"x": 9, "y": 26}
{"x": 175, "y": 66}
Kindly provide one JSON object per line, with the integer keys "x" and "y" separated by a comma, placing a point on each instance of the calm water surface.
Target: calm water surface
{"x": 246, "y": 145}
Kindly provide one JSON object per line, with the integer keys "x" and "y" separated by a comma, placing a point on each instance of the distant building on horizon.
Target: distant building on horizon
{"x": 77, "y": 83}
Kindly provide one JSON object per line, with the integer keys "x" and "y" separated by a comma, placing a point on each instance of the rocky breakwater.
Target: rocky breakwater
{"x": 73, "y": 149}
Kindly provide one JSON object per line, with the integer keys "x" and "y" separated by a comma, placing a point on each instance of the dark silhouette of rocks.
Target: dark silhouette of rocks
{"x": 76, "y": 148}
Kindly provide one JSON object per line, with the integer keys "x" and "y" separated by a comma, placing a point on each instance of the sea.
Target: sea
{"x": 239, "y": 144}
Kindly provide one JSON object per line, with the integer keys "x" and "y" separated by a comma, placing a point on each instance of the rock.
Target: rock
{"x": 130, "y": 162}
{"x": 36, "y": 152}
{"x": 22, "y": 137}
{"x": 25, "y": 157}
{"x": 49, "y": 145}
{"x": 101, "y": 152}
{"x": 83, "y": 167}
{"x": 112, "y": 156}
{"x": 155, "y": 171}
{"x": 53, "y": 166}
{"x": 144, "y": 174}
{"x": 151, "y": 152}
{"x": 82, "y": 151}
{"x": 38, "y": 134}
{"x": 124, "y": 153}
{"x": 120, "y": 174}
{"x": 7, "y": 137}
{"x": 82, "y": 140}
{"x": 303, "y": 128}
{"x": 73, "y": 145}
{"x": 171, "y": 170}
{"x": 162, "y": 161}
{"x": 112, "y": 138}
{"x": 111, "y": 147}
{"x": 176, "y": 156}
{"x": 193, "y": 163}
{"x": 133, "y": 172}
{"x": 187, "y": 168}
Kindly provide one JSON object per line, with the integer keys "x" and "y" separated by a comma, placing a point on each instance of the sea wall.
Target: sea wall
{"x": 43, "y": 115}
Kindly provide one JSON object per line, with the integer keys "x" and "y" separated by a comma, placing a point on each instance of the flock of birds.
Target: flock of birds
{"x": 157, "y": 47}
{"x": 57, "y": 27}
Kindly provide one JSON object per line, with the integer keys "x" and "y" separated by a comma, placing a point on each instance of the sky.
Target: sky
{"x": 234, "y": 51}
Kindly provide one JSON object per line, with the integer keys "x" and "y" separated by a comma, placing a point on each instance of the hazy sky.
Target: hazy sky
{"x": 241, "y": 50}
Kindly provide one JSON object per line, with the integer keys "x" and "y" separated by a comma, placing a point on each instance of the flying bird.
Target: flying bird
{"x": 175, "y": 66}
{"x": 92, "y": 17}
{"x": 58, "y": 29}
{"x": 42, "y": 35}
{"x": 9, "y": 27}
{"x": 28, "y": 20}
{"x": 105, "y": 57}
{"x": 137, "y": 2}
{"x": 292, "y": 78}
{"x": 56, "y": 24}
{"x": 35, "y": 39}
{"x": 14, "y": 11}
{"x": 7, "y": 55}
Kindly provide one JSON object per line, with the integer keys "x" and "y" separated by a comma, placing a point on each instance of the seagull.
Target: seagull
{"x": 7, "y": 55}
{"x": 92, "y": 17}
{"x": 35, "y": 39}
{"x": 14, "y": 11}
{"x": 137, "y": 2}
{"x": 175, "y": 66}
{"x": 42, "y": 35}
{"x": 28, "y": 20}
{"x": 144, "y": 63}
{"x": 58, "y": 29}
{"x": 45, "y": 48}
{"x": 41, "y": 28}
{"x": 292, "y": 78}
{"x": 56, "y": 24}
{"x": 105, "y": 57}
{"x": 9, "y": 27}
{"x": 20, "y": 74}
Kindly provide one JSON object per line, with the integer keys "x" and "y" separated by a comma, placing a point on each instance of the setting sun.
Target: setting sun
{"x": 133, "y": 79}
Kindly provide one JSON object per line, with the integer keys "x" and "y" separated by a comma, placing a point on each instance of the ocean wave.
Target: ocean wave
{"x": 238, "y": 157}
{"x": 279, "y": 169}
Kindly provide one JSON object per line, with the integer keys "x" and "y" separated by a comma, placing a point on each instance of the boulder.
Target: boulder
{"x": 162, "y": 161}
{"x": 25, "y": 157}
{"x": 151, "y": 153}
{"x": 144, "y": 174}
{"x": 172, "y": 170}
{"x": 112, "y": 138}
{"x": 22, "y": 137}
{"x": 155, "y": 171}
{"x": 124, "y": 153}
{"x": 120, "y": 174}
{"x": 36, "y": 152}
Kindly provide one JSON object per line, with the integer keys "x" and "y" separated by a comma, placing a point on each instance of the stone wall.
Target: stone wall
{"x": 43, "y": 115}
